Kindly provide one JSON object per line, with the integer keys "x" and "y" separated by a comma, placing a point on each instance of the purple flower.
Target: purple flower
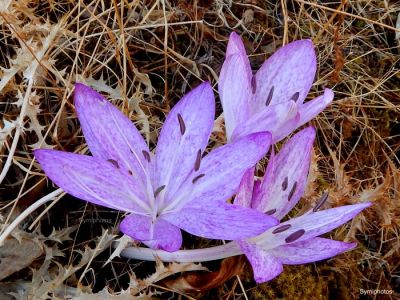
{"x": 294, "y": 241}
{"x": 272, "y": 99}
{"x": 174, "y": 188}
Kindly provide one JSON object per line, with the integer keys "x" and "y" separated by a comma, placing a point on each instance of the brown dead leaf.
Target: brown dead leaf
{"x": 200, "y": 282}
{"x": 15, "y": 255}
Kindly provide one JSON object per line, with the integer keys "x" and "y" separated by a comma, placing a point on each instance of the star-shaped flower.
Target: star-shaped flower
{"x": 294, "y": 241}
{"x": 272, "y": 99}
{"x": 174, "y": 188}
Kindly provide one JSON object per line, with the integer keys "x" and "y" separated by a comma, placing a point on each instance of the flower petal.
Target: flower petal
{"x": 286, "y": 176}
{"x": 265, "y": 265}
{"x": 277, "y": 119}
{"x": 221, "y": 171}
{"x": 245, "y": 191}
{"x": 220, "y": 221}
{"x": 308, "y": 226}
{"x": 94, "y": 180}
{"x": 235, "y": 45}
{"x": 289, "y": 71}
{"x": 235, "y": 91}
{"x": 183, "y": 138}
{"x": 311, "y": 250}
{"x": 109, "y": 133}
{"x": 163, "y": 235}
{"x": 312, "y": 108}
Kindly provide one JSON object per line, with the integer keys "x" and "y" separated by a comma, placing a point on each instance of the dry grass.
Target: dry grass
{"x": 144, "y": 55}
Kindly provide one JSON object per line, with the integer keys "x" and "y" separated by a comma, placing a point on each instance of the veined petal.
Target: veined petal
{"x": 265, "y": 265}
{"x": 311, "y": 250}
{"x": 183, "y": 138}
{"x": 287, "y": 74}
{"x": 109, "y": 133}
{"x": 221, "y": 171}
{"x": 160, "y": 235}
{"x": 275, "y": 119}
{"x": 286, "y": 175}
{"x": 308, "y": 226}
{"x": 235, "y": 45}
{"x": 235, "y": 91}
{"x": 312, "y": 108}
{"x": 220, "y": 221}
{"x": 245, "y": 192}
{"x": 94, "y": 180}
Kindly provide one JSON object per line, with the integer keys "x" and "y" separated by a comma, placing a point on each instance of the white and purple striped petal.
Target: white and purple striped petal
{"x": 286, "y": 176}
{"x": 311, "y": 250}
{"x": 287, "y": 75}
{"x": 110, "y": 134}
{"x": 220, "y": 173}
{"x": 220, "y": 220}
{"x": 97, "y": 181}
{"x": 235, "y": 91}
{"x": 159, "y": 234}
{"x": 183, "y": 140}
{"x": 308, "y": 226}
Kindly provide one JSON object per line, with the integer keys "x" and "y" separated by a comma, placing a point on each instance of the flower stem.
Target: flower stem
{"x": 183, "y": 256}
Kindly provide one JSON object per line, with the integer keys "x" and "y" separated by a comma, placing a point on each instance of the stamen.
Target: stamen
{"x": 198, "y": 177}
{"x": 146, "y": 155}
{"x": 285, "y": 184}
{"x": 114, "y": 162}
{"x": 158, "y": 191}
{"x": 281, "y": 228}
{"x": 295, "y": 236}
{"x": 295, "y": 96}
{"x": 321, "y": 201}
{"x": 198, "y": 160}
{"x": 292, "y": 191}
{"x": 253, "y": 84}
{"x": 271, "y": 212}
{"x": 269, "y": 98}
{"x": 182, "y": 125}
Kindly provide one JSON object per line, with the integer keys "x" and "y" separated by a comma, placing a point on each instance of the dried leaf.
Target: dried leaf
{"x": 196, "y": 282}
{"x": 15, "y": 255}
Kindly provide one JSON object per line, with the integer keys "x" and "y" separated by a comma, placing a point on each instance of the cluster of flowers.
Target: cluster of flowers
{"x": 177, "y": 186}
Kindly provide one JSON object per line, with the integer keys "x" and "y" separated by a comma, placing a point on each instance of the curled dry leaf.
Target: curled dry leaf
{"x": 200, "y": 282}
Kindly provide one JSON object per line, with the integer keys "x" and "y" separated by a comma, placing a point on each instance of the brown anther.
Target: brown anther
{"x": 295, "y": 96}
{"x": 198, "y": 177}
{"x": 281, "y": 228}
{"x": 285, "y": 184}
{"x": 292, "y": 191}
{"x": 198, "y": 160}
{"x": 158, "y": 190}
{"x": 253, "y": 84}
{"x": 146, "y": 155}
{"x": 271, "y": 212}
{"x": 270, "y": 94}
{"x": 114, "y": 162}
{"x": 321, "y": 201}
{"x": 295, "y": 236}
{"x": 182, "y": 125}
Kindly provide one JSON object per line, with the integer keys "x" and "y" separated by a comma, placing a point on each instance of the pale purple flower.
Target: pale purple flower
{"x": 294, "y": 241}
{"x": 273, "y": 98}
{"x": 176, "y": 188}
